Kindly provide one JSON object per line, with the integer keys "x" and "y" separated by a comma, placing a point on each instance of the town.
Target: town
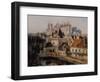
{"x": 60, "y": 44}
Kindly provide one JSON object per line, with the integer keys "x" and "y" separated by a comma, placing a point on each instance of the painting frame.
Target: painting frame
{"x": 15, "y": 41}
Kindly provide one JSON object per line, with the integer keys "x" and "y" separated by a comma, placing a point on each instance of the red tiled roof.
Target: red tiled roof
{"x": 78, "y": 43}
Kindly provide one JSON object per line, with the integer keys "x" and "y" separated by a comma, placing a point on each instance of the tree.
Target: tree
{"x": 35, "y": 44}
{"x": 61, "y": 34}
{"x": 49, "y": 44}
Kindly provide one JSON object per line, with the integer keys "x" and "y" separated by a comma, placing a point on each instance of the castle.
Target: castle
{"x": 55, "y": 29}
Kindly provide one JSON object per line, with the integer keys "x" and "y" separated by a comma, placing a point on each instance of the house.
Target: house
{"x": 54, "y": 41}
{"x": 76, "y": 50}
{"x": 61, "y": 53}
{"x": 64, "y": 47}
{"x": 78, "y": 46}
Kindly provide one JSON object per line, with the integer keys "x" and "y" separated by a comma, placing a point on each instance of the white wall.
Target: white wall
{"x": 5, "y": 40}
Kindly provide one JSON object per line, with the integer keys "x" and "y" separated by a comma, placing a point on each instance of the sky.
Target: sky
{"x": 39, "y": 23}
